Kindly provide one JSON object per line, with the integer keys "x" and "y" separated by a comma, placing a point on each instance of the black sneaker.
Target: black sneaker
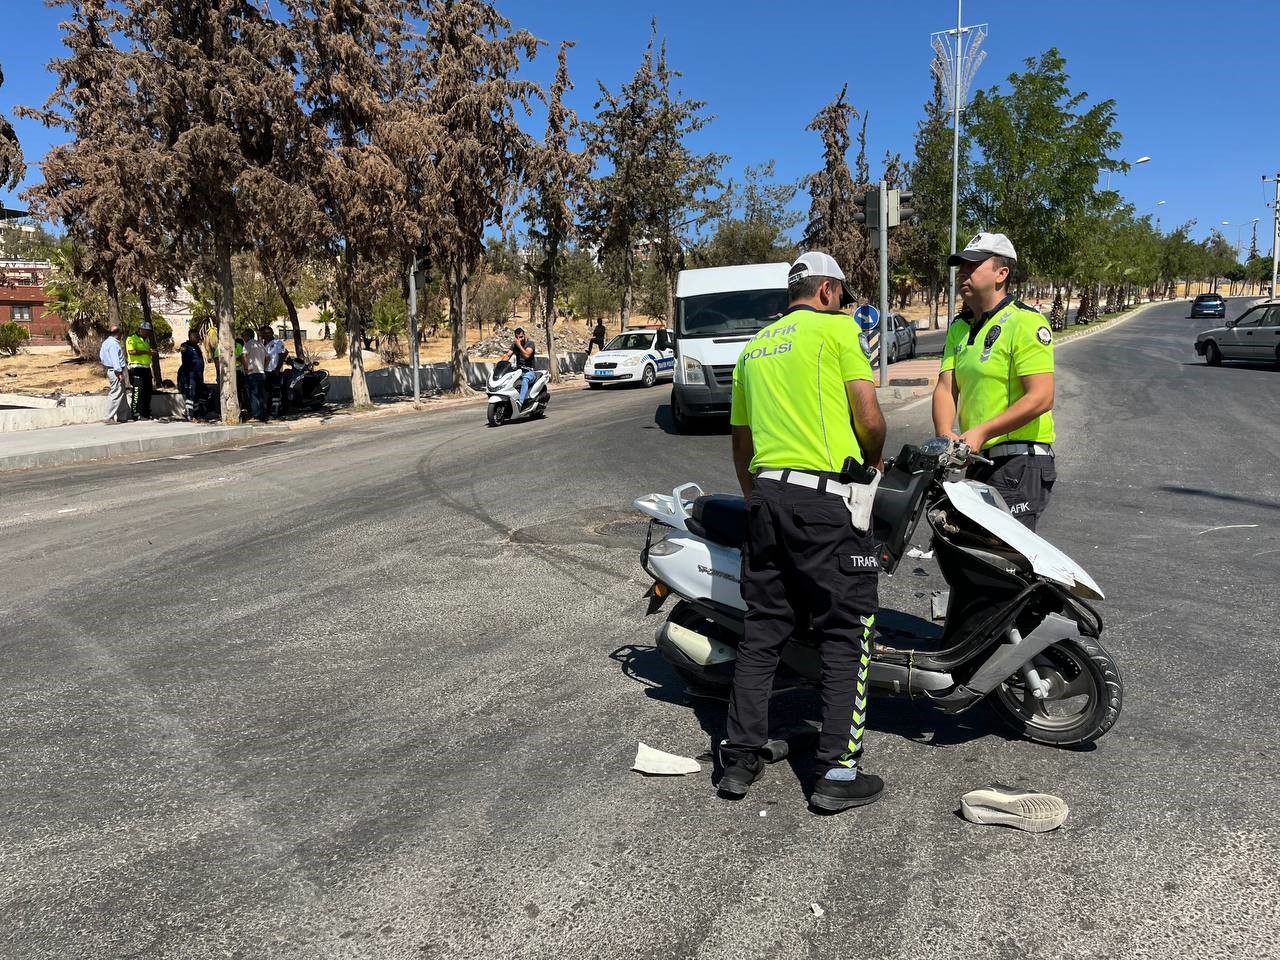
{"x": 741, "y": 770}
{"x": 836, "y": 795}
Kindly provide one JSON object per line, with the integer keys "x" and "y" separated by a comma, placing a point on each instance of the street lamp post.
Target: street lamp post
{"x": 957, "y": 60}
{"x": 1275, "y": 231}
{"x": 1135, "y": 163}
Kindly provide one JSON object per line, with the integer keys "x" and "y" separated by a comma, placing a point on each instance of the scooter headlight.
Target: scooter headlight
{"x": 664, "y": 548}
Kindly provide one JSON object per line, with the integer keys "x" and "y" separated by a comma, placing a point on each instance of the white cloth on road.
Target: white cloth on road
{"x": 649, "y": 760}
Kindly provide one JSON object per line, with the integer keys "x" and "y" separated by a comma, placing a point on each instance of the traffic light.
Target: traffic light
{"x": 867, "y": 209}
{"x": 899, "y": 208}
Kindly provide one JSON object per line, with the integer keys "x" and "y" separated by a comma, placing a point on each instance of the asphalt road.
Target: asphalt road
{"x": 374, "y": 692}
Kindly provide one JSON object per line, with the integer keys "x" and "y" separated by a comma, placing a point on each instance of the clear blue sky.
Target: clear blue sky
{"x": 1195, "y": 83}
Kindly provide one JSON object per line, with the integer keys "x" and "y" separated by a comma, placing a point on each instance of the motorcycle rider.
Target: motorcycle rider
{"x": 803, "y": 401}
{"x": 522, "y": 350}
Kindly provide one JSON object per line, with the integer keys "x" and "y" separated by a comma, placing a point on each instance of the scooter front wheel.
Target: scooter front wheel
{"x": 1083, "y": 702}
{"x": 498, "y": 414}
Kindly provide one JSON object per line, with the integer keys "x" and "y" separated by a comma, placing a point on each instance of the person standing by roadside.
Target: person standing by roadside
{"x": 597, "y": 336}
{"x": 808, "y": 435}
{"x": 138, "y": 351}
{"x": 255, "y": 375}
{"x": 997, "y": 379}
{"x": 191, "y": 372}
{"x": 113, "y": 360}
{"x": 276, "y": 351}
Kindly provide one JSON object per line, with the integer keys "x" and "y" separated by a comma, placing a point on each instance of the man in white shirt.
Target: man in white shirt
{"x": 255, "y": 374}
{"x": 112, "y": 357}
{"x": 276, "y": 352}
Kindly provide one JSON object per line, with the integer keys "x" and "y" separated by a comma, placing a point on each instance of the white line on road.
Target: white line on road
{"x": 1230, "y": 526}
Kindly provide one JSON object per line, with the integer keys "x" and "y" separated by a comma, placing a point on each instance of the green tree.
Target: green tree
{"x": 560, "y": 176}
{"x": 480, "y": 155}
{"x": 833, "y": 191}
{"x": 754, "y": 221}
{"x": 1040, "y": 149}
{"x": 657, "y": 191}
{"x": 12, "y": 167}
{"x": 930, "y": 179}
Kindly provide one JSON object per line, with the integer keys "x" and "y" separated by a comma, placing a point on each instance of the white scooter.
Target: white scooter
{"x": 504, "y": 393}
{"x": 1019, "y": 629}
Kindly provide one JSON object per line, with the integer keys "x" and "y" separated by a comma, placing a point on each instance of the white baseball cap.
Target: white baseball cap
{"x": 982, "y": 246}
{"x": 816, "y": 264}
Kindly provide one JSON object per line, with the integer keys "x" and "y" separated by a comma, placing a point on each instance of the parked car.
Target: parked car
{"x": 1254, "y": 336}
{"x": 903, "y": 341}
{"x": 1209, "y": 305}
{"x": 635, "y": 356}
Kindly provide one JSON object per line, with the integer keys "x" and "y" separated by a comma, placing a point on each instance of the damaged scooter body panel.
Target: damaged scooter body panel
{"x": 1045, "y": 559}
{"x": 697, "y": 569}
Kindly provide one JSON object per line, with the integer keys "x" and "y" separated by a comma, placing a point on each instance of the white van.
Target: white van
{"x": 718, "y": 309}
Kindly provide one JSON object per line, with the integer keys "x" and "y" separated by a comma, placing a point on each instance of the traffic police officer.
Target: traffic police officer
{"x": 807, "y": 432}
{"x": 138, "y": 350}
{"x": 997, "y": 375}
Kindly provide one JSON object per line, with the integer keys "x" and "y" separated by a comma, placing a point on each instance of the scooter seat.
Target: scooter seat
{"x": 721, "y": 518}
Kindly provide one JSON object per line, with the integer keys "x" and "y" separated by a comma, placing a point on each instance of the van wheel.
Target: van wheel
{"x": 678, "y": 419}
{"x": 1212, "y": 355}
{"x": 649, "y": 377}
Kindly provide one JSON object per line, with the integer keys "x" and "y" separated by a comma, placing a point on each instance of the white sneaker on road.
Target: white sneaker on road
{"x": 1010, "y": 807}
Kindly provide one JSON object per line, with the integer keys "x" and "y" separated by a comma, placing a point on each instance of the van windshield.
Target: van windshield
{"x": 738, "y": 313}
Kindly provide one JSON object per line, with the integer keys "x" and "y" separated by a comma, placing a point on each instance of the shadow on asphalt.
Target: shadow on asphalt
{"x": 794, "y": 715}
{"x": 1218, "y": 495}
{"x": 1268, "y": 366}
{"x": 698, "y": 426}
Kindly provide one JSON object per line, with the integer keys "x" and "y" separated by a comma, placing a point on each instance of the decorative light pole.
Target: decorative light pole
{"x": 958, "y": 56}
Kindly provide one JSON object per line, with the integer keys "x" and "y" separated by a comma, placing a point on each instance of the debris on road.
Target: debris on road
{"x": 662, "y": 764}
{"x": 918, "y": 554}
{"x": 816, "y": 910}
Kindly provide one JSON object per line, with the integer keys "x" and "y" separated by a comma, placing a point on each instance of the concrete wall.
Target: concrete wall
{"x": 34, "y": 413}
{"x": 434, "y": 378}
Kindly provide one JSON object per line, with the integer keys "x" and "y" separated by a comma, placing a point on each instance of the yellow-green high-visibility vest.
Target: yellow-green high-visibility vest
{"x": 138, "y": 350}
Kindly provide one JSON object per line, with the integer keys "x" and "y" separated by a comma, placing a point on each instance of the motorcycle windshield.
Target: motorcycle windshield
{"x": 1045, "y": 559}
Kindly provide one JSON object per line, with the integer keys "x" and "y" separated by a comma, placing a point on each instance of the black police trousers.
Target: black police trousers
{"x": 140, "y": 392}
{"x": 805, "y": 566}
{"x": 1024, "y": 480}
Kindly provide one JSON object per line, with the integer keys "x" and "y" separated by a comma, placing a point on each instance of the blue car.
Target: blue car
{"x": 1209, "y": 305}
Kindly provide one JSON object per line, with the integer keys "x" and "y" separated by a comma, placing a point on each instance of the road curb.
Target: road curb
{"x": 1109, "y": 324}
{"x": 184, "y": 443}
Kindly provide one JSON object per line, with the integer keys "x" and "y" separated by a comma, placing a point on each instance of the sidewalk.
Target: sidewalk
{"x": 909, "y": 379}
{"x": 85, "y": 442}
{"x": 88, "y": 442}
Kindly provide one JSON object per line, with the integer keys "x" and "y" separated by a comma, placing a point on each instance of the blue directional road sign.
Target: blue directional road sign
{"x": 868, "y": 317}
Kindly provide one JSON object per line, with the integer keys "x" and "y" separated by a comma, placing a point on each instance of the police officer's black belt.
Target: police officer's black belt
{"x": 1019, "y": 450}
{"x": 812, "y": 481}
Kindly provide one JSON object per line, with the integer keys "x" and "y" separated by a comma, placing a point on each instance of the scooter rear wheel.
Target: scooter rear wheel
{"x": 1085, "y": 696}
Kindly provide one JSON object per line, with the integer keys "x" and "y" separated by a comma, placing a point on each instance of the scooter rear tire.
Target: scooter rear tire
{"x": 1078, "y": 670}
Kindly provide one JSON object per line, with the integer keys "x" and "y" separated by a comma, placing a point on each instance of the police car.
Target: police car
{"x": 632, "y": 356}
